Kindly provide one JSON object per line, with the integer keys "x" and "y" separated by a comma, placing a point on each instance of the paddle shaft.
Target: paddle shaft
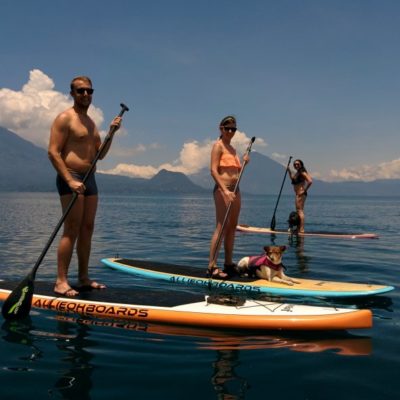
{"x": 279, "y": 196}
{"x": 220, "y": 235}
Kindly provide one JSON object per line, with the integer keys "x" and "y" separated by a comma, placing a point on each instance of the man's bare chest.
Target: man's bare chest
{"x": 82, "y": 133}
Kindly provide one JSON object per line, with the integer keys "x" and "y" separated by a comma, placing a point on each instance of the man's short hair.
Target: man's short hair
{"x": 80, "y": 78}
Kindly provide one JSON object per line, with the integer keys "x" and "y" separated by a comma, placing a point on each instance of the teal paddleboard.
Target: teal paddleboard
{"x": 192, "y": 276}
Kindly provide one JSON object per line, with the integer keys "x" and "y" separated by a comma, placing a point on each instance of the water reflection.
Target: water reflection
{"x": 73, "y": 338}
{"x": 227, "y": 384}
{"x": 374, "y": 303}
{"x": 76, "y": 380}
{"x": 19, "y": 332}
{"x": 297, "y": 243}
{"x": 343, "y": 343}
{"x": 303, "y": 260}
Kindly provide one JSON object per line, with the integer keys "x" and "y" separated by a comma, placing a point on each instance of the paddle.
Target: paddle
{"x": 273, "y": 223}
{"x": 219, "y": 239}
{"x": 18, "y": 303}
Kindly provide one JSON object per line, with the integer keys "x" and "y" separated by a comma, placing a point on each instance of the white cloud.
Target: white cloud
{"x": 385, "y": 170}
{"x": 128, "y": 152}
{"x": 192, "y": 158}
{"x": 136, "y": 171}
{"x": 240, "y": 141}
{"x": 30, "y": 112}
{"x": 280, "y": 158}
{"x": 195, "y": 156}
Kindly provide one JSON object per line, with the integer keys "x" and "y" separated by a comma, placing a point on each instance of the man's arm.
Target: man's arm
{"x": 115, "y": 125}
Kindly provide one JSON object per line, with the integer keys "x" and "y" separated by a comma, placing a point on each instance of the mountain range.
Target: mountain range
{"x": 26, "y": 167}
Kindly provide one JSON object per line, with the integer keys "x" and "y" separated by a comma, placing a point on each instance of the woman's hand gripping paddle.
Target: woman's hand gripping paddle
{"x": 18, "y": 303}
{"x": 273, "y": 223}
{"x": 220, "y": 235}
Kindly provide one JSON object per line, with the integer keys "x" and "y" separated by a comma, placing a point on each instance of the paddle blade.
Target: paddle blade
{"x": 18, "y": 303}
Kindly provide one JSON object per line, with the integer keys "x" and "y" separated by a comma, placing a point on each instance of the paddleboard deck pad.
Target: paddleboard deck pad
{"x": 333, "y": 235}
{"x": 192, "y": 276}
{"x": 191, "y": 309}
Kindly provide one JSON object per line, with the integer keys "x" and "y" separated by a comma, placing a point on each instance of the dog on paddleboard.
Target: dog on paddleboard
{"x": 266, "y": 266}
{"x": 294, "y": 222}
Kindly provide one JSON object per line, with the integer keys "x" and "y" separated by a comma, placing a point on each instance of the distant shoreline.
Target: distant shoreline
{"x": 202, "y": 194}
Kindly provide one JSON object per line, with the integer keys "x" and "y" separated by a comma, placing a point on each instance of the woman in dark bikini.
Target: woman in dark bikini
{"x": 225, "y": 170}
{"x": 301, "y": 181}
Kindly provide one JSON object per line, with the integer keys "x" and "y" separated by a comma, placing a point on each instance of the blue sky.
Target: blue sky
{"x": 318, "y": 80}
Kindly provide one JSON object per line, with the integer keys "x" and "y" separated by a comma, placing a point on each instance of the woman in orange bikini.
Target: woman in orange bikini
{"x": 225, "y": 170}
{"x": 301, "y": 182}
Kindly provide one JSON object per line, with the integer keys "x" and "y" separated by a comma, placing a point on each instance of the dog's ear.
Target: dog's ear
{"x": 266, "y": 249}
{"x": 283, "y": 248}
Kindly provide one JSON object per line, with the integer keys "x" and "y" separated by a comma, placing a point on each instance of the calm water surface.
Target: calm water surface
{"x": 61, "y": 356}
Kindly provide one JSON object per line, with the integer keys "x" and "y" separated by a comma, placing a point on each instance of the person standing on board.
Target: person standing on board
{"x": 225, "y": 170}
{"x": 301, "y": 181}
{"x": 74, "y": 142}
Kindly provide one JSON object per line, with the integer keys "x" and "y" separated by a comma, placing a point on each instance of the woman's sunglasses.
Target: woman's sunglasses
{"x": 231, "y": 130}
{"x": 82, "y": 90}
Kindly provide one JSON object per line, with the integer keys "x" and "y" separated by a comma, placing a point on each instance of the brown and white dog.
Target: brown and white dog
{"x": 266, "y": 266}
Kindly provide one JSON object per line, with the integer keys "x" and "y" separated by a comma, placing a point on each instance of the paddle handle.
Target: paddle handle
{"x": 273, "y": 223}
{"x": 75, "y": 195}
{"x": 220, "y": 235}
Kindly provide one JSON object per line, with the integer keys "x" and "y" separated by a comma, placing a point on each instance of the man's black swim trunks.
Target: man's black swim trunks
{"x": 90, "y": 184}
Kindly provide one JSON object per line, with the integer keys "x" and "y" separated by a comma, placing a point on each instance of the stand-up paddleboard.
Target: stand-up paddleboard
{"x": 192, "y": 309}
{"x": 191, "y": 276}
{"x": 333, "y": 235}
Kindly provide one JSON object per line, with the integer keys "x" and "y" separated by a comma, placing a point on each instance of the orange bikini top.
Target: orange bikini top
{"x": 229, "y": 160}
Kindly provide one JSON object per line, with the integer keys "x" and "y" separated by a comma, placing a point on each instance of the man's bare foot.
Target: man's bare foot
{"x": 92, "y": 285}
{"x": 65, "y": 290}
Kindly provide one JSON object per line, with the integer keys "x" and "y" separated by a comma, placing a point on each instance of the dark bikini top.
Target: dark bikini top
{"x": 299, "y": 178}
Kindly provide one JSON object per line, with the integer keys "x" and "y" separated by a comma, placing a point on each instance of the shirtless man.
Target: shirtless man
{"x": 74, "y": 142}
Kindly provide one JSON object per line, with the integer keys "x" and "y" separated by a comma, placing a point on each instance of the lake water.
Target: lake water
{"x": 60, "y": 356}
